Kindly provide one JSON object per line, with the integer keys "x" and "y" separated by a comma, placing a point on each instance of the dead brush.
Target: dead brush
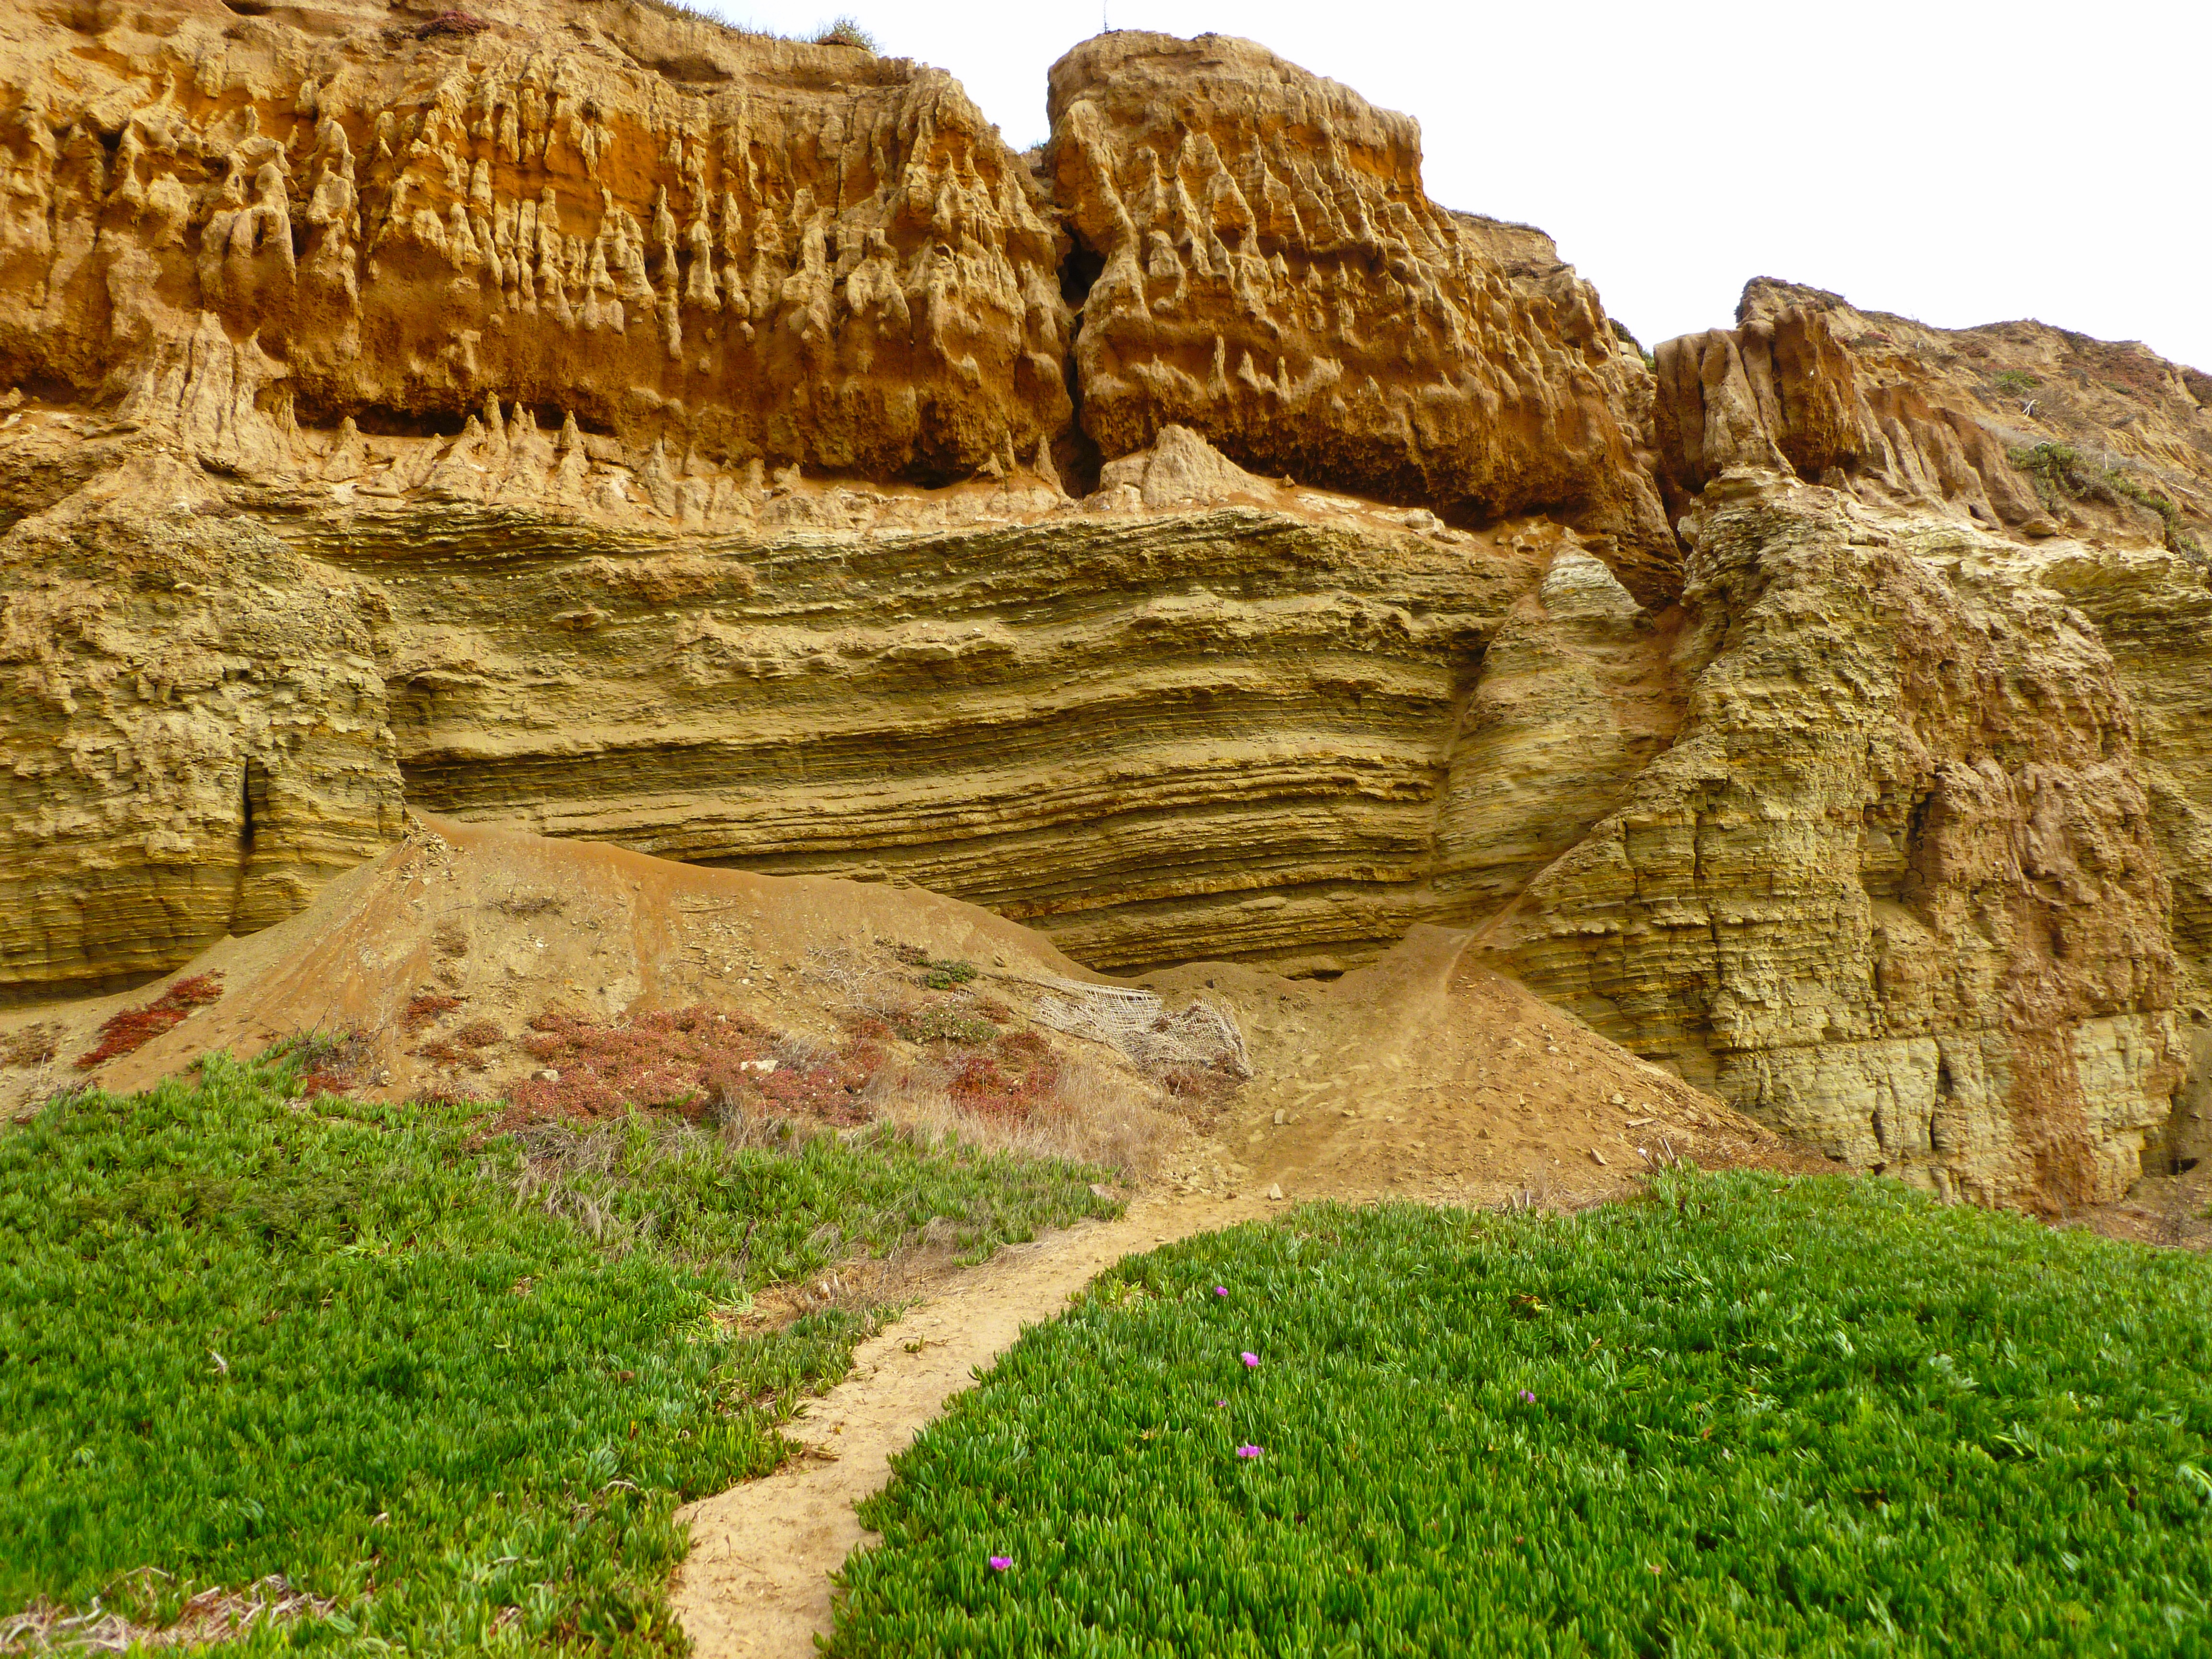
{"x": 447, "y": 1097}
{"x": 1088, "y": 1114}
{"x": 842, "y": 969}
{"x": 330, "y": 1062}
{"x": 416, "y": 1017}
{"x": 213, "y": 1616}
{"x": 451, "y": 23}
{"x": 577, "y": 1170}
{"x": 1007, "y": 1080}
{"x": 464, "y": 1048}
{"x": 560, "y": 1163}
{"x": 32, "y": 1045}
{"x": 696, "y": 1062}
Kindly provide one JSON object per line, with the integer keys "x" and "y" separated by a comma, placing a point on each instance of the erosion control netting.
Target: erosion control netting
{"x": 1138, "y": 1023}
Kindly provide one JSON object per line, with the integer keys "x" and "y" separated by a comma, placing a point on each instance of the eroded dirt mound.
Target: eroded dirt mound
{"x": 1429, "y": 1076}
{"x": 569, "y": 980}
{"x": 564, "y": 979}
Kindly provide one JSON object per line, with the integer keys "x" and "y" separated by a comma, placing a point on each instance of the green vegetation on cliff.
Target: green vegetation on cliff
{"x": 1740, "y": 1417}
{"x": 455, "y": 1386}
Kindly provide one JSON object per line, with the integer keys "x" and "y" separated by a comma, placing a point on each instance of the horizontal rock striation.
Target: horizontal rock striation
{"x": 1211, "y": 733}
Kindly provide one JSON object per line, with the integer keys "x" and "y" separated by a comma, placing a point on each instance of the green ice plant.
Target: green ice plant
{"x": 244, "y": 1334}
{"x": 1741, "y": 1416}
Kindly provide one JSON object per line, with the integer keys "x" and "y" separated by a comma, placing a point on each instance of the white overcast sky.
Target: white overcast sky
{"x": 1957, "y": 162}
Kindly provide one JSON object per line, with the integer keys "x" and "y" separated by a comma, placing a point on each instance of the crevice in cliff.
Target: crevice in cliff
{"x": 376, "y": 421}
{"x": 1075, "y": 455}
{"x": 246, "y": 811}
{"x": 253, "y": 813}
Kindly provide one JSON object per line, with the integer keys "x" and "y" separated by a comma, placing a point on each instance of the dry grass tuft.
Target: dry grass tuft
{"x": 1091, "y": 1114}
{"x": 33, "y": 1045}
{"x": 211, "y": 1616}
{"x": 335, "y": 1064}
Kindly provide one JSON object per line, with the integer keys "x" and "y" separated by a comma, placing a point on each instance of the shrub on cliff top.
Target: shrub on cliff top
{"x": 2060, "y": 470}
{"x": 451, "y": 23}
{"x": 846, "y": 31}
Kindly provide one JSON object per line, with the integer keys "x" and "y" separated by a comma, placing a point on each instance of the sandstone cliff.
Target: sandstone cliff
{"x": 1897, "y": 886}
{"x": 1189, "y": 540}
{"x": 1270, "y": 272}
{"x": 1918, "y": 881}
{"x": 235, "y": 220}
{"x": 2016, "y": 426}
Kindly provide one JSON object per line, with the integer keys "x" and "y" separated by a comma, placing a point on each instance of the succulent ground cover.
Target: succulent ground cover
{"x": 1742, "y": 1416}
{"x": 134, "y": 1028}
{"x": 450, "y": 1386}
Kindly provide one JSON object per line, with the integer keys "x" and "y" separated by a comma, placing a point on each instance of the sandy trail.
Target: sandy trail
{"x": 1424, "y": 1076}
{"x": 756, "y": 1583}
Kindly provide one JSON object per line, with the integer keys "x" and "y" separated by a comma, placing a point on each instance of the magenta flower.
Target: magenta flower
{"x": 1001, "y": 1563}
{"x": 1527, "y": 1398}
{"x": 1247, "y": 1451}
{"x": 1221, "y": 1402}
{"x": 1251, "y": 1362}
{"x": 1221, "y": 1289}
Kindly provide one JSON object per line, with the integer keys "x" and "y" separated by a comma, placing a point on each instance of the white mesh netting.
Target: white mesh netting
{"x": 1139, "y": 1024}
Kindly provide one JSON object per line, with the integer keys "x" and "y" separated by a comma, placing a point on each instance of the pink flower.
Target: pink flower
{"x": 1221, "y": 1402}
{"x": 1221, "y": 1289}
{"x": 1527, "y": 1398}
{"x": 1247, "y": 1451}
{"x": 1251, "y": 1362}
{"x": 1001, "y": 1563}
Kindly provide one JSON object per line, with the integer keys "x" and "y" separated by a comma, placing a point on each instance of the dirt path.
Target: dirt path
{"x": 756, "y": 1583}
{"x": 1423, "y": 1077}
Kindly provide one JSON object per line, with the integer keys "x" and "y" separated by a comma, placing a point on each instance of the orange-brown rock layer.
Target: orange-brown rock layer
{"x": 2014, "y": 426}
{"x": 667, "y": 229}
{"x": 1270, "y": 272}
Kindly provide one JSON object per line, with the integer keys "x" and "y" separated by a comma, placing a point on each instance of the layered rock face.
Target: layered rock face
{"x": 1199, "y": 734}
{"x": 1271, "y": 274}
{"x": 1921, "y": 881}
{"x": 192, "y": 726}
{"x": 672, "y": 232}
{"x": 1189, "y": 540}
{"x": 1897, "y": 886}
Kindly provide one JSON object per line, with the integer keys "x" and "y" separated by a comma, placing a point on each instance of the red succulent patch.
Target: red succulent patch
{"x": 134, "y": 1028}
{"x": 1006, "y": 1081}
{"x": 425, "y": 1008}
{"x": 688, "y": 1061}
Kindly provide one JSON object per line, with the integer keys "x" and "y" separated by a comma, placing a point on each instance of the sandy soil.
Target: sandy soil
{"x": 1424, "y": 1077}
{"x": 513, "y": 923}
